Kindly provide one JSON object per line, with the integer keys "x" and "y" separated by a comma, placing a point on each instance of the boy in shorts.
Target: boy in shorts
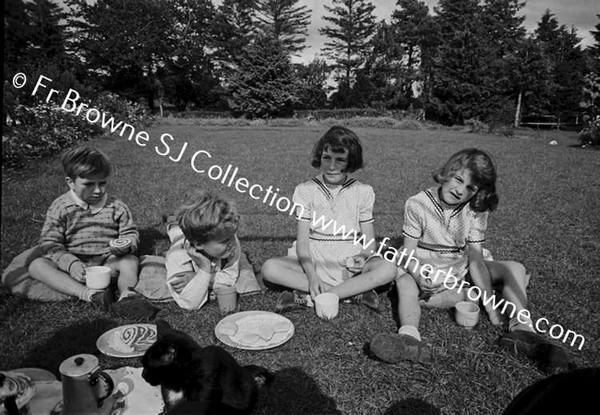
{"x": 205, "y": 252}
{"x": 85, "y": 227}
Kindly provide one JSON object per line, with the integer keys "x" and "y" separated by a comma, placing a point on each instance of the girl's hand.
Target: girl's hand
{"x": 494, "y": 316}
{"x": 77, "y": 271}
{"x": 180, "y": 282}
{"x": 200, "y": 259}
{"x": 316, "y": 286}
{"x": 355, "y": 264}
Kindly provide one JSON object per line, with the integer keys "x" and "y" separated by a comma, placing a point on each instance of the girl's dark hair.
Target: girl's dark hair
{"x": 337, "y": 139}
{"x": 484, "y": 176}
{"x": 85, "y": 162}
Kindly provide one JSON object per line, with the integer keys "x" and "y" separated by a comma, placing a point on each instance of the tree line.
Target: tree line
{"x": 468, "y": 59}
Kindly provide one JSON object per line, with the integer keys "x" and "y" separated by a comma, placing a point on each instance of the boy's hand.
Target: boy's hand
{"x": 77, "y": 271}
{"x": 120, "y": 247}
{"x": 179, "y": 283}
{"x": 198, "y": 257}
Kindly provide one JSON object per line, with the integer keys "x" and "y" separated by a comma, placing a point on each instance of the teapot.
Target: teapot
{"x": 85, "y": 389}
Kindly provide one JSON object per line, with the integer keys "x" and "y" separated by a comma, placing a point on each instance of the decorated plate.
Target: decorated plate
{"x": 254, "y": 330}
{"x": 131, "y": 340}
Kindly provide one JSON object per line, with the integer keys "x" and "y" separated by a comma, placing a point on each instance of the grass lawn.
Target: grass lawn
{"x": 548, "y": 219}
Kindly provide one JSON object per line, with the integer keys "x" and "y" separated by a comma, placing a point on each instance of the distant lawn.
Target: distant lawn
{"x": 548, "y": 219}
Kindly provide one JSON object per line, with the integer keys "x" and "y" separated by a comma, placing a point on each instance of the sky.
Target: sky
{"x": 580, "y": 14}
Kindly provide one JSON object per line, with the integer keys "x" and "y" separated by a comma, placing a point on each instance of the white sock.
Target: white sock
{"x": 410, "y": 331}
{"x": 86, "y": 294}
{"x": 515, "y": 324}
{"x": 126, "y": 293}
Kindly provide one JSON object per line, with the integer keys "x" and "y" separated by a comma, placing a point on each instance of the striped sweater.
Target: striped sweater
{"x": 71, "y": 230}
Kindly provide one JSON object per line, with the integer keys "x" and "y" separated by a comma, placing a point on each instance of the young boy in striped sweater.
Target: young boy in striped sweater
{"x": 81, "y": 229}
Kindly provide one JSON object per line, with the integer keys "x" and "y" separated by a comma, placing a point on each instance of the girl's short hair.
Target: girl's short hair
{"x": 208, "y": 217}
{"x": 85, "y": 162}
{"x": 337, "y": 139}
{"x": 483, "y": 173}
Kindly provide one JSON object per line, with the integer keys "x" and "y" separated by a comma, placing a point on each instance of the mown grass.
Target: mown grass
{"x": 548, "y": 219}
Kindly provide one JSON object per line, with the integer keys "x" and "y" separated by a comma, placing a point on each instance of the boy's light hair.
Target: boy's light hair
{"x": 85, "y": 162}
{"x": 207, "y": 218}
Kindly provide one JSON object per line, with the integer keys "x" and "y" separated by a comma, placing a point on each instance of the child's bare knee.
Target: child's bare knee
{"x": 269, "y": 268}
{"x": 37, "y": 266}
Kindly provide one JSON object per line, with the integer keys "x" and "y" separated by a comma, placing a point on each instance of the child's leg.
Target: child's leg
{"x": 127, "y": 266}
{"x": 376, "y": 273}
{"x": 407, "y": 344}
{"x": 44, "y": 270}
{"x": 409, "y": 309}
{"x": 512, "y": 277}
{"x": 285, "y": 271}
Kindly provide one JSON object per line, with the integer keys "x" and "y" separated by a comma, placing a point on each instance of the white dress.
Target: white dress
{"x": 343, "y": 208}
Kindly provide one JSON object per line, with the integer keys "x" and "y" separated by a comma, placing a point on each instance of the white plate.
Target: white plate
{"x": 131, "y": 340}
{"x": 254, "y": 330}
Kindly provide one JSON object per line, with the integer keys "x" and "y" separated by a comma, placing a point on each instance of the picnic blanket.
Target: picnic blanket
{"x": 151, "y": 284}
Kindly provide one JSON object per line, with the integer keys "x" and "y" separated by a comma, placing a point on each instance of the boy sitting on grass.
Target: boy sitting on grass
{"x": 78, "y": 231}
{"x": 205, "y": 252}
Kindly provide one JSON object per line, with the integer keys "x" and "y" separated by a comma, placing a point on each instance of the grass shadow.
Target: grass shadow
{"x": 75, "y": 339}
{"x": 293, "y": 392}
{"x": 412, "y": 406}
{"x": 152, "y": 241}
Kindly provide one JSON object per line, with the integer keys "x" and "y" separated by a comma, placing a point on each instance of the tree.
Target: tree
{"x": 403, "y": 53}
{"x": 352, "y": 25}
{"x": 284, "y": 21}
{"x": 312, "y": 78}
{"x": 233, "y": 30}
{"x": 125, "y": 42}
{"x": 462, "y": 78}
{"x": 511, "y": 60}
{"x": 567, "y": 64}
{"x": 264, "y": 84}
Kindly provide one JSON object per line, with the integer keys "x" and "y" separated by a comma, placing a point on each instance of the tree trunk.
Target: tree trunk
{"x": 518, "y": 111}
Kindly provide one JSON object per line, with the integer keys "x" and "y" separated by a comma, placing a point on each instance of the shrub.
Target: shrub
{"x": 39, "y": 130}
{"x": 590, "y": 135}
{"x": 476, "y": 126}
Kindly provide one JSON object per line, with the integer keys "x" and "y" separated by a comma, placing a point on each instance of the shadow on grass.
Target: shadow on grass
{"x": 151, "y": 241}
{"x": 294, "y": 392}
{"x": 412, "y": 406}
{"x": 75, "y": 339}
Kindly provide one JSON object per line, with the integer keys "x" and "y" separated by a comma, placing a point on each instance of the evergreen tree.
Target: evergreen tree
{"x": 233, "y": 30}
{"x": 352, "y": 24}
{"x": 264, "y": 85}
{"x": 462, "y": 77}
{"x": 567, "y": 67}
{"x": 284, "y": 21}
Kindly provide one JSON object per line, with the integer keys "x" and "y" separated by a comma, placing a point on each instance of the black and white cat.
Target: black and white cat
{"x": 200, "y": 380}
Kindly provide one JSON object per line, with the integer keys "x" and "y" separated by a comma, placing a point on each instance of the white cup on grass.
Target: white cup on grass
{"x": 467, "y": 314}
{"x": 327, "y": 305}
{"x": 97, "y": 277}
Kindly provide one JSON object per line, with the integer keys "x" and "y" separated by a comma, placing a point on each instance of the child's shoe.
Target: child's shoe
{"x": 393, "y": 348}
{"x": 103, "y": 299}
{"x": 288, "y": 300}
{"x": 370, "y": 299}
{"x": 135, "y": 306}
{"x": 533, "y": 345}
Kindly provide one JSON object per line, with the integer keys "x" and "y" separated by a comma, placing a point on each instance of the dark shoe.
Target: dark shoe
{"x": 103, "y": 299}
{"x": 536, "y": 347}
{"x": 370, "y": 299}
{"x": 393, "y": 348}
{"x": 135, "y": 307}
{"x": 288, "y": 300}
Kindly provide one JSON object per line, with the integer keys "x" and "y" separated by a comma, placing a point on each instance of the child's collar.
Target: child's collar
{"x": 93, "y": 208}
